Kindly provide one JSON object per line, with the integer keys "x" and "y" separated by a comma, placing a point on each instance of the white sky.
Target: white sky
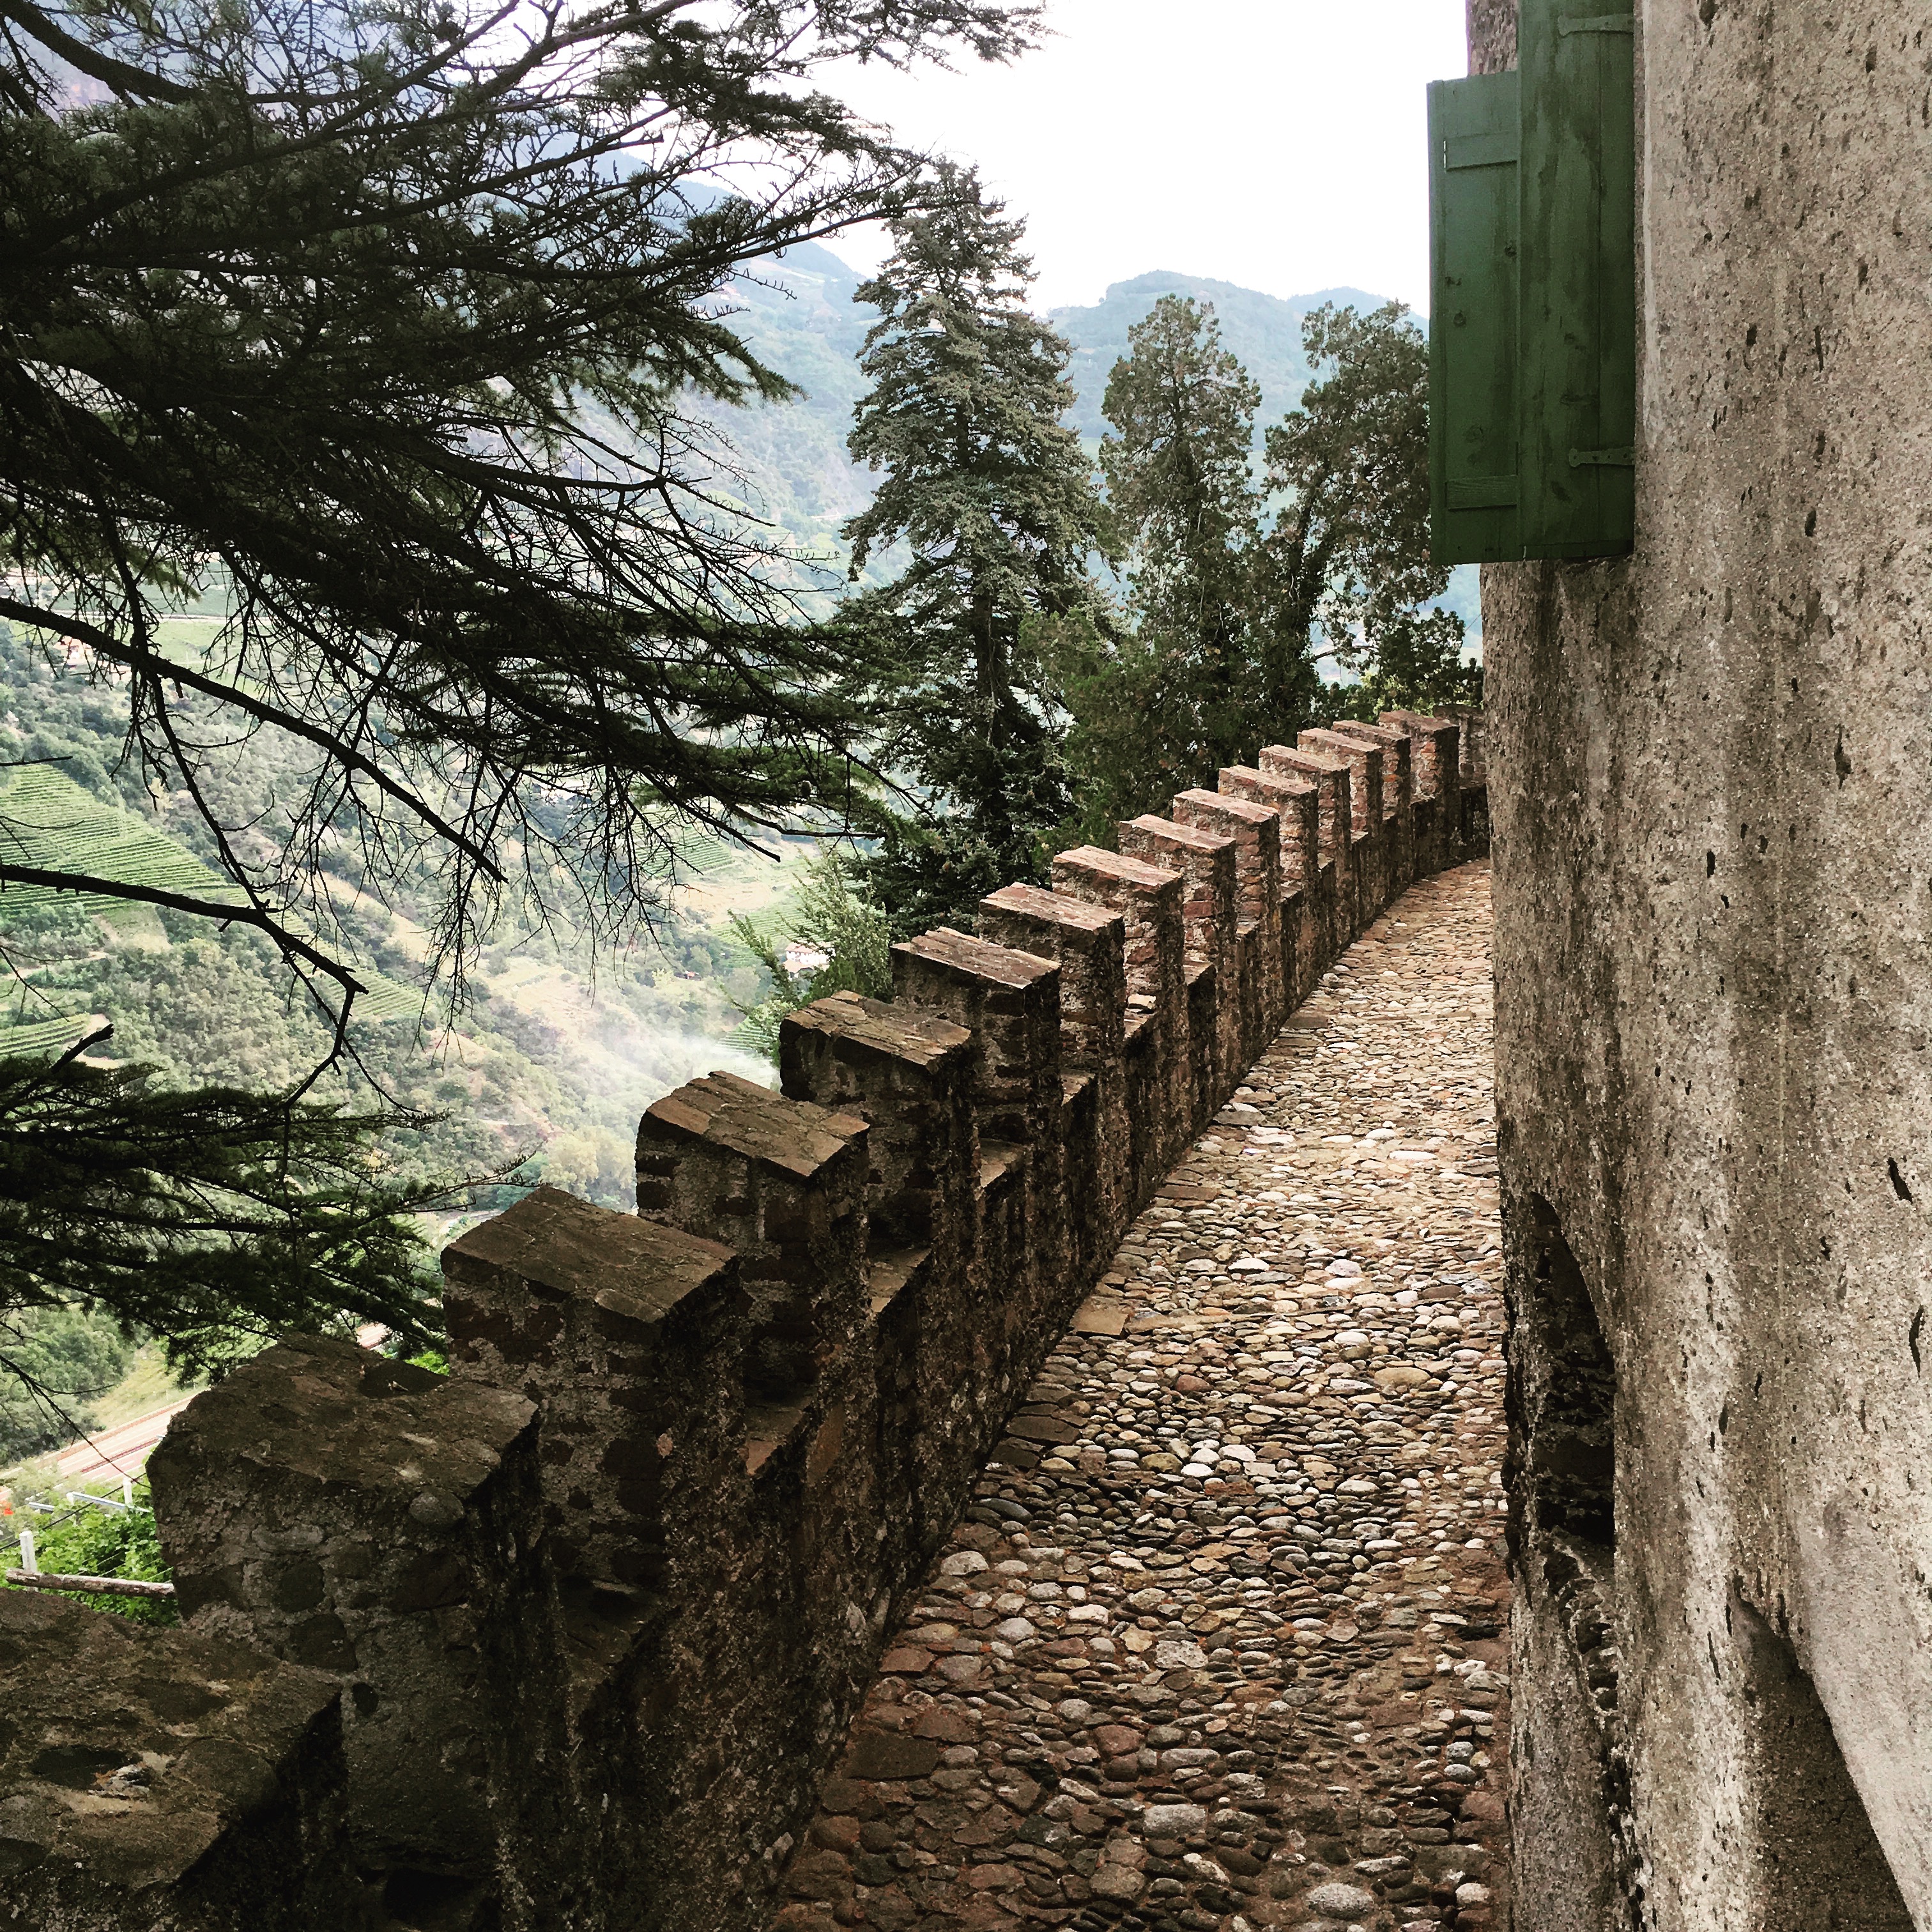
{"x": 1278, "y": 144}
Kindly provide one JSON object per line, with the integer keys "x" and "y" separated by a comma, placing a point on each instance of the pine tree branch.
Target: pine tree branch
{"x": 286, "y": 942}
{"x": 339, "y": 750}
{"x": 122, "y": 78}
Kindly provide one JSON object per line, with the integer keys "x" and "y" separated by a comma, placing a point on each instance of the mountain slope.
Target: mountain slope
{"x": 801, "y": 319}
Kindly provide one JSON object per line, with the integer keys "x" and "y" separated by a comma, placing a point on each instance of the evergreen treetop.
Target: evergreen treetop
{"x": 1249, "y": 592}
{"x": 1163, "y": 706}
{"x": 1345, "y": 573}
{"x": 1177, "y": 463}
{"x": 993, "y": 499}
{"x": 983, "y": 481}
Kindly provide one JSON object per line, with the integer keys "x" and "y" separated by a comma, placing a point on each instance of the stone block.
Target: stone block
{"x": 1369, "y": 860}
{"x": 1088, "y": 944}
{"x": 1471, "y": 759}
{"x": 156, "y": 1777}
{"x": 1398, "y": 801}
{"x": 1093, "y": 1142}
{"x": 1010, "y": 1001}
{"x": 629, "y": 1337}
{"x": 1305, "y": 807}
{"x": 1206, "y": 862}
{"x": 1437, "y": 787}
{"x": 1435, "y": 757}
{"x": 907, "y": 1071}
{"x": 1302, "y": 961}
{"x": 1150, "y": 897}
{"x": 1398, "y": 767}
{"x": 1256, "y": 827}
{"x": 361, "y": 1516}
{"x": 1334, "y": 888}
{"x": 1299, "y": 803}
{"x": 783, "y": 1183}
{"x": 1364, "y": 760}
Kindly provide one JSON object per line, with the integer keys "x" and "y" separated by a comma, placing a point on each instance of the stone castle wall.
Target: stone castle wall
{"x": 569, "y": 1637}
{"x": 1713, "y": 1009}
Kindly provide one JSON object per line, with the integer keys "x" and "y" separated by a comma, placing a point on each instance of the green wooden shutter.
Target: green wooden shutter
{"x": 1577, "y": 389}
{"x": 1532, "y": 328}
{"x": 1472, "y": 322}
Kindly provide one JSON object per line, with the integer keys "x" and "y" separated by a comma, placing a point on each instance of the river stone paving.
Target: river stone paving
{"x": 1222, "y": 1643}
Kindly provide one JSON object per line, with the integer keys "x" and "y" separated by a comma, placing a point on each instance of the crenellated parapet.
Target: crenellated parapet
{"x": 568, "y": 1638}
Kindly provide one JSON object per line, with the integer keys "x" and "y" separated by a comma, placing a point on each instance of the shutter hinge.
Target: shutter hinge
{"x": 1602, "y": 459}
{"x": 1599, "y": 23}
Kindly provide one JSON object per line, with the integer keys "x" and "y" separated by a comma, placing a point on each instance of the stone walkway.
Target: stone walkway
{"x": 1222, "y": 1642}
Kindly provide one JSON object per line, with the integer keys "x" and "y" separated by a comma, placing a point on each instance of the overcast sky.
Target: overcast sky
{"x": 1278, "y": 144}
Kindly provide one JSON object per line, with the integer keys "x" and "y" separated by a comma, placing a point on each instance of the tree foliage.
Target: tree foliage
{"x": 88, "y": 1541}
{"x": 385, "y": 318}
{"x": 1344, "y": 573}
{"x": 390, "y": 329}
{"x": 214, "y": 1217}
{"x": 60, "y": 1359}
{"x": 994, "y": 501}
{"x": 833, "y": 916}
{"x": 1257, "y": 589}
{"x": 1163, "y": 708}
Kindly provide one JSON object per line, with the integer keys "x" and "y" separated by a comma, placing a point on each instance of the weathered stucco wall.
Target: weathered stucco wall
{"x": 1713, "y": 870}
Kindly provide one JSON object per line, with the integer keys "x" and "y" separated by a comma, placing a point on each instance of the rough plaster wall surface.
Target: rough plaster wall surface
{"x": 1712, "y": 871}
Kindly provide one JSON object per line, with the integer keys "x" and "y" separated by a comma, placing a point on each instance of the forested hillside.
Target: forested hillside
{"x": 560, "y": 1050}
{"x": 803, "y": 321}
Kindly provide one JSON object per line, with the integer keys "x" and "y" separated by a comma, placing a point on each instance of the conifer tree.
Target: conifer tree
{"x": 995, "y": 502}
{"x": 213, "y": 1218}
{"x": 1245, "y": 627}
{"x": 1164, "y": 708}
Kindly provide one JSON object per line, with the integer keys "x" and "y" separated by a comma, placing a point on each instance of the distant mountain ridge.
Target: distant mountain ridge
{"x": 1264, "y": 332}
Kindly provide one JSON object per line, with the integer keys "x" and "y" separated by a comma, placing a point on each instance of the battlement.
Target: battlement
{"x": 568, "y": 1638}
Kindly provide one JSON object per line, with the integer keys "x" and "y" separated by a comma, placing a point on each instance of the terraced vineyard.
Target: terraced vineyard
{"x": 48, "y": 1036}
{"x": 50, "y": 823}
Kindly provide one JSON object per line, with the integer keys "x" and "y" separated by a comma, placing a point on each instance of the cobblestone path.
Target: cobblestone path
{"x": 1222, "y": 1641}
